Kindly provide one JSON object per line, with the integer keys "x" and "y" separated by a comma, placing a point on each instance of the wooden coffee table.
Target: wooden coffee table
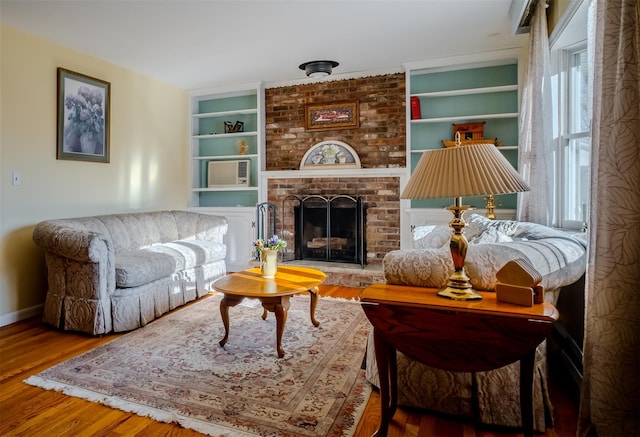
{"x": 273, "y": 293}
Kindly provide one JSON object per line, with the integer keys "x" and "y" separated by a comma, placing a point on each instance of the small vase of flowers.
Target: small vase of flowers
{"x": 268, "y": 250}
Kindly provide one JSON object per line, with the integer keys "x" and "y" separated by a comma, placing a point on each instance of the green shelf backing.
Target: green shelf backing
{"x": 234, "y": 103}
{"x": 215, "y": 125}
{"x": 228, "y": 198}
{"x": 504, "y": 201}
{"x": 226, "y": 145}
{"x": 465, "y": 79}
{"x": 510, "y": 154}
{"x": 467, "y": 105}
{"x": 430, "y": 135}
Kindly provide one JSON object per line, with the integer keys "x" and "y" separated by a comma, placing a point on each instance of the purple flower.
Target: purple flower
{"x": 273, "y": 243}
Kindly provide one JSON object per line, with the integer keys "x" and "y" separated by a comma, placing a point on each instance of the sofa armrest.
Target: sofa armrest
{"x": 81, "y": 276}
{"x": 71, "y": 242}
{"x": 211, "y": 227}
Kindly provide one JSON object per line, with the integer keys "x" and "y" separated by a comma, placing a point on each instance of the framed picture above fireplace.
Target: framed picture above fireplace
{"x": 330, "y": 154}
{"x": 325, "y": 116}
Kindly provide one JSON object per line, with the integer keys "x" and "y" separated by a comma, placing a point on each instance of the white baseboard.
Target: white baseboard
{"x": 17, "y": 316}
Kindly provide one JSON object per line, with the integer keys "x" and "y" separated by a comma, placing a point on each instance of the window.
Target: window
{"x": 575, "y": 139}
{"x": 571, "y": 71}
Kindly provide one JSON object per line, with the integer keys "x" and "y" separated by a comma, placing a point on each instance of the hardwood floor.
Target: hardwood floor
{"x": 28, "y": 347}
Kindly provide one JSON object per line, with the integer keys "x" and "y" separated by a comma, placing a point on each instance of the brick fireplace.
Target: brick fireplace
{"x": 379, "y": 140}
{"x": 380, "y": 196}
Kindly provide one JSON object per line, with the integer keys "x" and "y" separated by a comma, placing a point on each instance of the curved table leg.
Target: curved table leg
{"x": 225, "y": 303}
{"x": 280, "y": 310}
{"x": 264, "y": 314}
{"x": 387, "y": 368}
{"x": 312, "y": 308}
{"x": 279, "y": 306}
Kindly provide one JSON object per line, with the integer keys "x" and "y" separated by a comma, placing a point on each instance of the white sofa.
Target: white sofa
{"x": 119, "y": 272}
{"x": 558, "y": 256}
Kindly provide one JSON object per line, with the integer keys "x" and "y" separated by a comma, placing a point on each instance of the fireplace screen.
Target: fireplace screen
{"x": 329, "y": 228}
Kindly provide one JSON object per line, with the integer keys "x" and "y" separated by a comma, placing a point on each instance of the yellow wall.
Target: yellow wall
{"x": 148, "y": 168}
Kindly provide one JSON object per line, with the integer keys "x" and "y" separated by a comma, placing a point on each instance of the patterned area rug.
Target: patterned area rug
{"x": 173, "y": 370}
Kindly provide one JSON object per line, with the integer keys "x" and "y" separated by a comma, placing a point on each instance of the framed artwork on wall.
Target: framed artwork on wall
{"x": 325, "y": 116}
{"x": 82, "y": 117}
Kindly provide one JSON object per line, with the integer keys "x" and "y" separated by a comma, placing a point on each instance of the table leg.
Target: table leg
{"x": 393, "y": 382}
{"x": 281, "y": 319}
{"x": 279, "y": 306}
{"x": 225, "y": 303}
{"x": 526, "y": 392}
{"x": 224, "y": 313}
{"x": 387, "y": 368}
{"x": 314, "y": 302}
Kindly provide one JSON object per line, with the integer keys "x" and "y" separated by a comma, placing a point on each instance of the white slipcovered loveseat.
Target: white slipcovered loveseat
{"x": 558, "y": 256}
{"x": 119, "y": 272}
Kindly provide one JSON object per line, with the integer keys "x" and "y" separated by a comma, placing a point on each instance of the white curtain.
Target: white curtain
{"x": 535, "y": 144}
{"x": 610, "y": 398}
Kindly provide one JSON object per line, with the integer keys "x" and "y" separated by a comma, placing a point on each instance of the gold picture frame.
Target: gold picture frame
{"x": 327, "y": 116}
{"x": 82, "y": 117}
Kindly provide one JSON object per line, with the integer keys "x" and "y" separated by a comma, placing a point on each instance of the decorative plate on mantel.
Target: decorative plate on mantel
{"x": 330, "y": 154}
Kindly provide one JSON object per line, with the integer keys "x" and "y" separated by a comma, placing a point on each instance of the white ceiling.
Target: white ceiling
{"x": 199, "y": 44}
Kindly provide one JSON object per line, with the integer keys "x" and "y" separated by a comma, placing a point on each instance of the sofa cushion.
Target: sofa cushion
{"x": 428, "y": 237}
{"x": 142, "y": 266}
{"x": 138, "y": 267}
{"x": 190, "y": 253}
{"x": 436, "y": 236}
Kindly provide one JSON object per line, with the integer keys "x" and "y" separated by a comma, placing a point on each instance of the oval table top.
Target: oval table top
{"x": 289, "y": 280}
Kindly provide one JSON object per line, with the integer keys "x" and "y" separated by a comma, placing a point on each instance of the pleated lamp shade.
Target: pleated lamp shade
{"x": 462, "y": 171}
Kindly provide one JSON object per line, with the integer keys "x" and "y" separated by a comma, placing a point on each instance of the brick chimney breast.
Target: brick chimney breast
{"x": 379, "y": 141}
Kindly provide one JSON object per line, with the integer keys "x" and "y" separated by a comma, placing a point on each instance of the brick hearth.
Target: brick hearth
{"x": 346, "y": 275}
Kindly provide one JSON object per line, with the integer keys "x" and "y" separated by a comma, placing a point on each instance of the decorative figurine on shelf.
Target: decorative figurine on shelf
{"x": 243, "y": 148}
{"x": 470, "y": 133}
{"x": 230, "y": 128}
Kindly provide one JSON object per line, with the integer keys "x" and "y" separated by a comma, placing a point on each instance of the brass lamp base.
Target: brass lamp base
{"x": 459, "y": 294}
{"x": 459, "y": 285}
{"x": 491, "y": 207}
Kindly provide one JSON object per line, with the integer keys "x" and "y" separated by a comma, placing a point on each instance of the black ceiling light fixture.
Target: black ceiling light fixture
{"x": 318, "y": 68}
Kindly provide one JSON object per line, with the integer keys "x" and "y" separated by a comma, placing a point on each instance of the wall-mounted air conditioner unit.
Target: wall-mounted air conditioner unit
{"x": 225, "y": 174}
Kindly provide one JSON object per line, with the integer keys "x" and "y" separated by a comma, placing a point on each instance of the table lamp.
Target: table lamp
{"x": 460, "y": 171}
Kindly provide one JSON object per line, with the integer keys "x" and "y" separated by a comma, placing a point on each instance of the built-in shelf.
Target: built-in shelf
{"x": 478, "y": 91}
{"x": 465, "y": 118}
{"x": 233, "y": 135}
{"x": 225, "y": 113}
{"x": 211, "y": 157}
{"x": 501, "y": 148}
{"x": 217, "y": 189}
{"x": 468, "y": 91}
{"x": 212, "y": 111}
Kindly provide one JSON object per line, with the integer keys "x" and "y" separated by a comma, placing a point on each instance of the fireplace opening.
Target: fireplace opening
{"x": 329, "y": 229}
